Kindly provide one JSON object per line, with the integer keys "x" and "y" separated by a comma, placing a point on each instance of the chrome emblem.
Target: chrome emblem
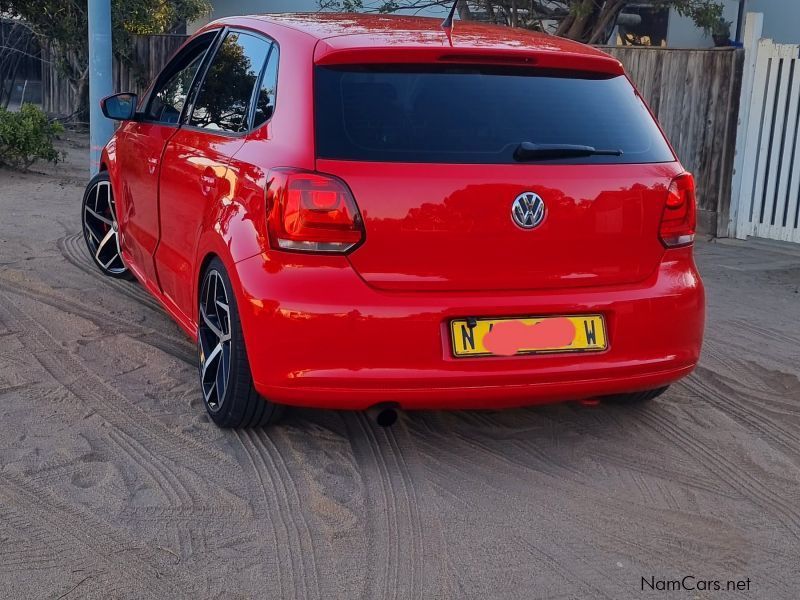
{"x": 528, "y": 210}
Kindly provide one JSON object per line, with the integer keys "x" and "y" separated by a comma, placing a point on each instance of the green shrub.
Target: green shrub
{"x": 27, "y": 136}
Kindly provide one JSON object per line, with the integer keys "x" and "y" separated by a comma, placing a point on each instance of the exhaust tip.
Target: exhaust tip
{"x": 383, "y": 415}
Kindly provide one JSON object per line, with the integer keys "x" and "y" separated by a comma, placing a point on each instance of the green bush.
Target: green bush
{"x": 27, "y": 136}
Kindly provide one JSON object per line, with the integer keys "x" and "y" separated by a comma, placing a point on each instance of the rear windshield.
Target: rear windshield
{"x": 466, "y": 114}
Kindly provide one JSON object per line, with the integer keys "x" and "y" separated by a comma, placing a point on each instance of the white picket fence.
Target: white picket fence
{"x": 765, "y": 199}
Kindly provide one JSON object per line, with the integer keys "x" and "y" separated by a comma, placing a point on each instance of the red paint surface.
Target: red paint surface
{"x": 451, "y": 230}
{"x": 348, "y": 331}
{"x": 506, "y": 338}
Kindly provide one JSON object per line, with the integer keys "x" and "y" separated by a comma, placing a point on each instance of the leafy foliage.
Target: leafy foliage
{"x": 63, "y": 25}
{"x": 27, "y": 136}
{"x": 229, "y": 79}
{"x": 583, "y": 20}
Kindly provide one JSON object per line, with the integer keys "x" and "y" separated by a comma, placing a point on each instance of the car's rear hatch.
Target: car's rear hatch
{"x": 428, "y": 152}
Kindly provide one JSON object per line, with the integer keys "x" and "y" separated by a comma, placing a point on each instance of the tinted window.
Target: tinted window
{"x": 478, "y": 114}
{"x": 265, "y": 100}
{"x": 169, "y": 94}
{"x": 224, "y": 98}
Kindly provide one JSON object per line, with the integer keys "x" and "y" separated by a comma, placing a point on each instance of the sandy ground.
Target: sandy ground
{"x": 113, "y": 483}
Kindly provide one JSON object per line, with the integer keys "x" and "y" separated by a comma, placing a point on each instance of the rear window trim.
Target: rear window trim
{"x": 670, "y": 155}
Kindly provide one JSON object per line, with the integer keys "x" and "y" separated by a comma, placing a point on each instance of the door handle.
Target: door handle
{"x": 152, "y": 163}
{"x": 208, "y": 182}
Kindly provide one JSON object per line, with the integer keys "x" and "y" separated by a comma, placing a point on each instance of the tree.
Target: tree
{"x": 17, "y": 46}
{"x": 62, "y": 25}
{"x": 230, "y": 79}
{"x": 589, "y": 21}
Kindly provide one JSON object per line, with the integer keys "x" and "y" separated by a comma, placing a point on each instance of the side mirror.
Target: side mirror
{"x": 120, "y": 107}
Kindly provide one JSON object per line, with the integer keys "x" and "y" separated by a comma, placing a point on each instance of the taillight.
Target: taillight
{"x": 680, "y": 214}
{"x": 311, "y": 212}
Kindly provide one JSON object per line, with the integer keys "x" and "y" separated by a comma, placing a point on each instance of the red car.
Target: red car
{"x": 353, "y": 212}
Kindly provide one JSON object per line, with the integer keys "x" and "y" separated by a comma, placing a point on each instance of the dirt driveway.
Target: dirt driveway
{"x": 113, "y": 483}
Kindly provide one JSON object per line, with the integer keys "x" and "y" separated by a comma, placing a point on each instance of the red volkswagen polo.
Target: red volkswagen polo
{"x": 367, "y": 211}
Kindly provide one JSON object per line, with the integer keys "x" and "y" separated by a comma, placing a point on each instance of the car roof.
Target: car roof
{"x": 361, "y": 31}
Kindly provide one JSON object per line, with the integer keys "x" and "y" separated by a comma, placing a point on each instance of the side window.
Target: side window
{"x": 169, "y": 95}
{"x": 223, "y": 102}
{"x": 265, "y": 100}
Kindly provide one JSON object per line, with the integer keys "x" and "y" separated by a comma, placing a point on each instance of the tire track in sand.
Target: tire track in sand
{"x": 397, "y": 535}
{"x": 440, "y": 436}
{"x": 174, "y": 346}
{"x": 73, "y": 249}
{"x": 140, "y": 439}
{"x": 281, "y": 497}
{"x": 95, "y": 392}
{"x": 719, "y": 391}
{"x": 293, "y": 499}
{"x": 284, "y": 552}
{"x": 75, "y": 526}
{"x": 164, "y": 479}
{"x": 732, "y": 473}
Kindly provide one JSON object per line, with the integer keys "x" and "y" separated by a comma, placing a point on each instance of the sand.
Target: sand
{"x": 114, "y": 484}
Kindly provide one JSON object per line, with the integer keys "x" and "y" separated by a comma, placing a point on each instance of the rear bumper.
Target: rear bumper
{"x": 318, "y": 335}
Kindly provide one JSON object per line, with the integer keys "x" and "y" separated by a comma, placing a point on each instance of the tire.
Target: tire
{"x": 226, "y": 382}
{"x": 635, "y": 397}
{"x": 101, "y": 228}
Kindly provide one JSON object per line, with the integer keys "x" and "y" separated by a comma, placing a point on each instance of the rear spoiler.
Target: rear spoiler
{"x": 327, "y": 54}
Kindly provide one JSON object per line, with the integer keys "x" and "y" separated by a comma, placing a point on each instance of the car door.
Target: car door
{"x": 140, "y": 150}
{"x": 194, "y": 171}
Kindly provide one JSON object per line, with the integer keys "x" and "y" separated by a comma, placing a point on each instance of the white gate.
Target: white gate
{"x": 766, "y": 184}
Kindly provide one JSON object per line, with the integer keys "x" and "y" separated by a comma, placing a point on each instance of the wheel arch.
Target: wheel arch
{"x": 210, "y": 246}
{"x": 108, "y": 157}
{"x": 109, "y": 166}
{"x": 201, "y": 271}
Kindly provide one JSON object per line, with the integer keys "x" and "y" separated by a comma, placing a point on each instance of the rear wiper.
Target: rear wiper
{"x": 530, "y": 151}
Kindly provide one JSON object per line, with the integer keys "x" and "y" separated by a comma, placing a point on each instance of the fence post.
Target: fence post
{"x": 101, "y": 80}
{"x": 753, "y": 28}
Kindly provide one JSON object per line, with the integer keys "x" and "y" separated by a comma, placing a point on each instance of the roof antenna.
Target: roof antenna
{"x": 447, "y": 24}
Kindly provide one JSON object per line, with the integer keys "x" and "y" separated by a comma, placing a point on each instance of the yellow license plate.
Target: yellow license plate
{"x": 534, "y": 335}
